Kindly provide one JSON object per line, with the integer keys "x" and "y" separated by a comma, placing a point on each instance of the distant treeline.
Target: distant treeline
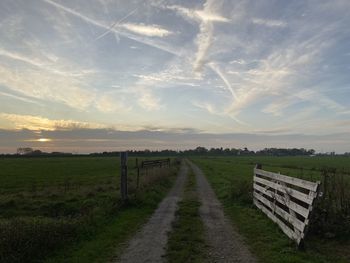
{"x": 29, "y": 152}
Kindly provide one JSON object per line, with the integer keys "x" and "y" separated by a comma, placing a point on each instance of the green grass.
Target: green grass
{"x": 108, "y": 239}
{"x": 25, "y": 173}
{"x": 69, "y": 208}
{"x": 186, "y": 240}
{"x": 231, "y": 178}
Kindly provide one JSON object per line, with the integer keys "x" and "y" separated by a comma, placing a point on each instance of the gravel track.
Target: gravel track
{"x": 225, "y": 244}
{"x": 149, "y": 244}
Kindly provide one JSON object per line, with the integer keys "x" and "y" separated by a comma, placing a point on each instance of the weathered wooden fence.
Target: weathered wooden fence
{"x": 155, "y": 163}
{"x": 287, "y": 201}
{"x": 145, "y": 165}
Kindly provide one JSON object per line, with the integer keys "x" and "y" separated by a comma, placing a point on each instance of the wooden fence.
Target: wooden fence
{"x": 155, "y": 163}
{"x": 287, "y": 201}
{"x": 145, "y": 165}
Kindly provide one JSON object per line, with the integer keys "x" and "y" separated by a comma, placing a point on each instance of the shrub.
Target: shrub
{"x": 242, "y": 191}
{"x": 331, "y": 216}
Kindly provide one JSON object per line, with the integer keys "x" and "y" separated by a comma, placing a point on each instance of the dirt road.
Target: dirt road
{"x": 150, "y": 243}
{"x": 226, "y": 245}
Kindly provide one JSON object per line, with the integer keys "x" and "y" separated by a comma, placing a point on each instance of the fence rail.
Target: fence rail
{"x": 287, "y": 201}
{"x": 155, "y": 163}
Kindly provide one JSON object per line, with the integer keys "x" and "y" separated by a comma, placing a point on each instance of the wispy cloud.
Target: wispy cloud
{"x": 218, "y": 71}
{"x": 112, "y": 102}
{"x": 99, "y": 24}
{"x": 201, "y": 15}
{"x": 47, "y": 86}
{"x": 147, "y": 30}
{"x": 32, "y": 61}
{"x": 206, "y": 106}
{"x": 205, "y": 18}
{"x": 214, "y": 65}
{"x": 148, "y": 100}
{"x": 110, "y": 29}
{"x": 269, "y": 22}
{"x": 47, "y": 62}
{"x": 21, "y": 98}
{"x": 205, "y": 36}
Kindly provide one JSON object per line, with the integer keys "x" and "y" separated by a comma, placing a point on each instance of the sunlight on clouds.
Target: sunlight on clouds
{"x": 147, "y": 30}
{"x": 207, "y": 15}
{"x": 227, "y": 62}
{"x": 109, "y": 103}
{"x": 47, "y": 86}
{"x": 148, "y": 101}
{"x": 45, "y": 78}
{"x": 37, "y": 123}
{"x": 44, "y": 140}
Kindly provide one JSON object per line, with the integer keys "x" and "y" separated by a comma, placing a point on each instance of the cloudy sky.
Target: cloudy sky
{"x": 94, "y": 75}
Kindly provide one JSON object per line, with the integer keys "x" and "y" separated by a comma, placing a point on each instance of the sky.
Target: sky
{"x": 109, "y": 75}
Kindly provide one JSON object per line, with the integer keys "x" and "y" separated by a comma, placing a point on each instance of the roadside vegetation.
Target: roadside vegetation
{"x": 186, "y": 240}
{"x": 62, "y": 209}
{"x": 231, "y": 178}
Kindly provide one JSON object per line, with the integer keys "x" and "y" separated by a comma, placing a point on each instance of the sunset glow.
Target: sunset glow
{"x": 44, "y": 140}
{"x": 111, "y": 70}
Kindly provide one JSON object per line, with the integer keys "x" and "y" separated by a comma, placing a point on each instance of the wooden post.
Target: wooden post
{"x": 138, "y": 174}
{"x": 124, "y": 176}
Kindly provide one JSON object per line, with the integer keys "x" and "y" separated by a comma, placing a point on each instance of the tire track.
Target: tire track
{"x": 149, "y": 245}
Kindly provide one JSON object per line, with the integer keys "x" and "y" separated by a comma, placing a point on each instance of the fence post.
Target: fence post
{"x": 124, "y": 176}
{"x": 138, "y": 174}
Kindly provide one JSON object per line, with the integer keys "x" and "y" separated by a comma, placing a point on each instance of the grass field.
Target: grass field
{"x": 231, "y": 178}
{"x": 61, "y": 209}
{"x": 69, "y": 210}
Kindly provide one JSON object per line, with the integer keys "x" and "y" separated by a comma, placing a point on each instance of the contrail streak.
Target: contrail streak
{"x": 114, "y": 24}
{"x": 101, "y": 25}
{"x": 217, "y": 70}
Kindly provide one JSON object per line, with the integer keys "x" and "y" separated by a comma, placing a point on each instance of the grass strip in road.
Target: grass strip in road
{"x": 186, "y": 241}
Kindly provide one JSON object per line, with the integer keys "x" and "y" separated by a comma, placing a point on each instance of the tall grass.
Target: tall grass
{"x": 25, "y": 239}
{"x": 332, "y": 212}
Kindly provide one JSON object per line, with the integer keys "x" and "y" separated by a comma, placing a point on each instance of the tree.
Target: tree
{"x": 24, "y": 150}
